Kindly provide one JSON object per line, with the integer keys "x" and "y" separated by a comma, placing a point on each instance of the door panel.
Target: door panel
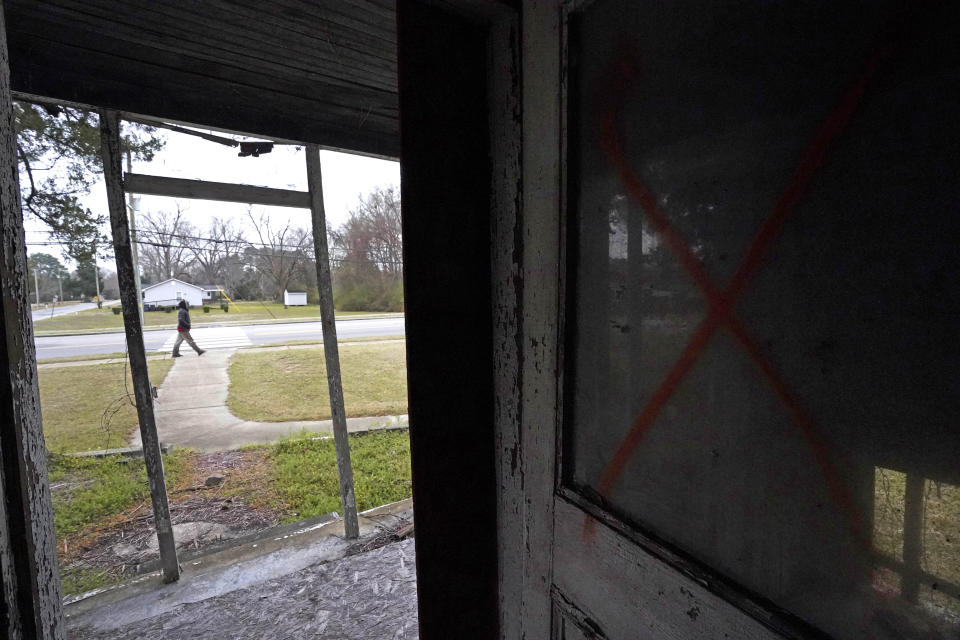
{"x": 631, "y": 594}
{"x": 756, "y": 331}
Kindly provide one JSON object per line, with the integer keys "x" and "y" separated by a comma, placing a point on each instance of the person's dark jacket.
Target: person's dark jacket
{"x": 183, "y": 320}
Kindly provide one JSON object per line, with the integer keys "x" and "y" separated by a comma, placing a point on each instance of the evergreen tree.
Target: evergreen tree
{"x": 49, "y": 271}
{"x": 58, "y": 150}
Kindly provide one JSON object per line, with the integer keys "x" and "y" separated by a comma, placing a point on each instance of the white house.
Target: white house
{"x": 170, "y": 292}
{"x": 294, "y": 298}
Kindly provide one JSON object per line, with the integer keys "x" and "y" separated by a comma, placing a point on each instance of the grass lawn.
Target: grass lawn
{"x": 318, "y": 342}
{"x": 276, "y": 386}
{"x": 73, "y": 401}
{"x": 91, "y": 495}
{"x": 304, "y": 473}
{"x": 87, "y": 490}
{"x": 94, "y": 499}
{"x": 941, "y": 529}
{"x": 97, "y": 356}
{"x": 243, "y": 312}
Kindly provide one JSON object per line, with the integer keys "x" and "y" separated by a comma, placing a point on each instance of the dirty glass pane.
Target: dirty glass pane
{"x": 762, "y": 366}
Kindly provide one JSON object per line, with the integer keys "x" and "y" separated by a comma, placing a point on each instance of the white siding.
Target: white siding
{"x": 171, "y": 292}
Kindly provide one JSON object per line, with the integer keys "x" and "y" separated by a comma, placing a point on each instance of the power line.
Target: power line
{"x": 238, "y": 257}
{"x": 180, "y": 236}
{"x": 266, "y": 255}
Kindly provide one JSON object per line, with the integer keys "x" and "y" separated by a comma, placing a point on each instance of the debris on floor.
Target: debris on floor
{"x": 201, "y": 514}
{"x": 370, "y": 595}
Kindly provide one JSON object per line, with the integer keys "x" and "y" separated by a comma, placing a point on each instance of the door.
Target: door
{"x": 737, "y": 382}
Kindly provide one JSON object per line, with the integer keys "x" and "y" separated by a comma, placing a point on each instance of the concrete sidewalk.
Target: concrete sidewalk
{"x": 192, "y": 410}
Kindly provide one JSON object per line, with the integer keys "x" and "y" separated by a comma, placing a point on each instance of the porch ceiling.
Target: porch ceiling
{"x": 322, "y": 71}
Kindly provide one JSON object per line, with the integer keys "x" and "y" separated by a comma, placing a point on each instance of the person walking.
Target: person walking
{"x": 183, "y": 330}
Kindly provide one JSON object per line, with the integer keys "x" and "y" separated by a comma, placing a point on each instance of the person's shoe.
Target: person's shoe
{"x": 176, "y": 355}
{"x": 201, "y": 352}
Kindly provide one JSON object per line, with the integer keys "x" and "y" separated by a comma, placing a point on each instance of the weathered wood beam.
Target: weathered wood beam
{"x": 222, "y": 191}
{"x": 30, "y": 599}
{"x": 112, "y": 175}
{"x": 56, "y": 70}
{"x": 209, "y": 137}
{"x": 330, "y": 350}
{"x": 447, "y": 168}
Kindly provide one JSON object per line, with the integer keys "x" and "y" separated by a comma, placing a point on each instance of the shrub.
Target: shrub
{"x": 369, "y": 296}
{"x": 116, "y": 310}
{"x": 225, "y": 307}
{"x": 206, "y": 309}
{"x": 168, "y": 309}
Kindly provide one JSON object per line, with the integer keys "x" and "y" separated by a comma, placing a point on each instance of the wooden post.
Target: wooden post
{"x": 330, "y": 350}
{"x": 30, "y": 598}
{"x": 912, "y": 537}
{"x": 133, "y": 242}
{"x": 112, "y": 176}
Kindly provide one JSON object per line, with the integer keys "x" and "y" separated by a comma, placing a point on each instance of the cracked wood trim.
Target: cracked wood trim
{"x": 30, "y": 600}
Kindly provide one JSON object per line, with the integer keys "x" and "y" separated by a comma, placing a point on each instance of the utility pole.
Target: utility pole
{"x": 36, "y": 285}
{"x": 60, "y": 281}
{"x": 96, "y": 277}
{"x": 133, "y": 240}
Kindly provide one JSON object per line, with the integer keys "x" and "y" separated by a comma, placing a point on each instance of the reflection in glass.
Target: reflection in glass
{"x": 916, "y": 535}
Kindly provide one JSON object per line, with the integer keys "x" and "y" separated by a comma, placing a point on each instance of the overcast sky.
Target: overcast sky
{"x": 345, "y": 179}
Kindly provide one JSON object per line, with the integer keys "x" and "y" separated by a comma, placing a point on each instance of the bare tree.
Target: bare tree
{"x": 371, "y": 238}
{"x": 368, "y": 254}
{"x": 216, "y": 254}
{"x": 281, "y": 252}
{"x": 163, "y": 239}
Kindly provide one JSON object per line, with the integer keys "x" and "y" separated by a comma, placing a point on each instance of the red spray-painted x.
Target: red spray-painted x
{"x": 721, "y": 301}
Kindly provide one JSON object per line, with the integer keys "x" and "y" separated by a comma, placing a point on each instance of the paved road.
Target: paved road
{"x": 43, "y": 314}
{"x": 215, "y": 337}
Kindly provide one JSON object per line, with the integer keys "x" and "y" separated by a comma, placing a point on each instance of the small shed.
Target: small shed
{"x": 294, "y": 298}
{"x": 170, "y": 292}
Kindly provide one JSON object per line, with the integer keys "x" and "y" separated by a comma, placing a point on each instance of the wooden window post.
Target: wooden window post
{"x": 330, "y": 350}
{"x": 112, "y": 176}
{"x": 912, "y": 537}
{"x": 29, "y": 580}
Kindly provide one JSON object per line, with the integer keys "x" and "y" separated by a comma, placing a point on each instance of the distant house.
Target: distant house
{"x": 170, "y": 292}
{"x": 294, "y": 298}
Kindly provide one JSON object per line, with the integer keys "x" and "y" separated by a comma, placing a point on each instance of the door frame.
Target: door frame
{"x": 527, "y": 334}
{"x": 30, "y": 597}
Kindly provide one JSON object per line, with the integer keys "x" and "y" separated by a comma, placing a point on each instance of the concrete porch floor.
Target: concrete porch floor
{"x": 289, "y": 583}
